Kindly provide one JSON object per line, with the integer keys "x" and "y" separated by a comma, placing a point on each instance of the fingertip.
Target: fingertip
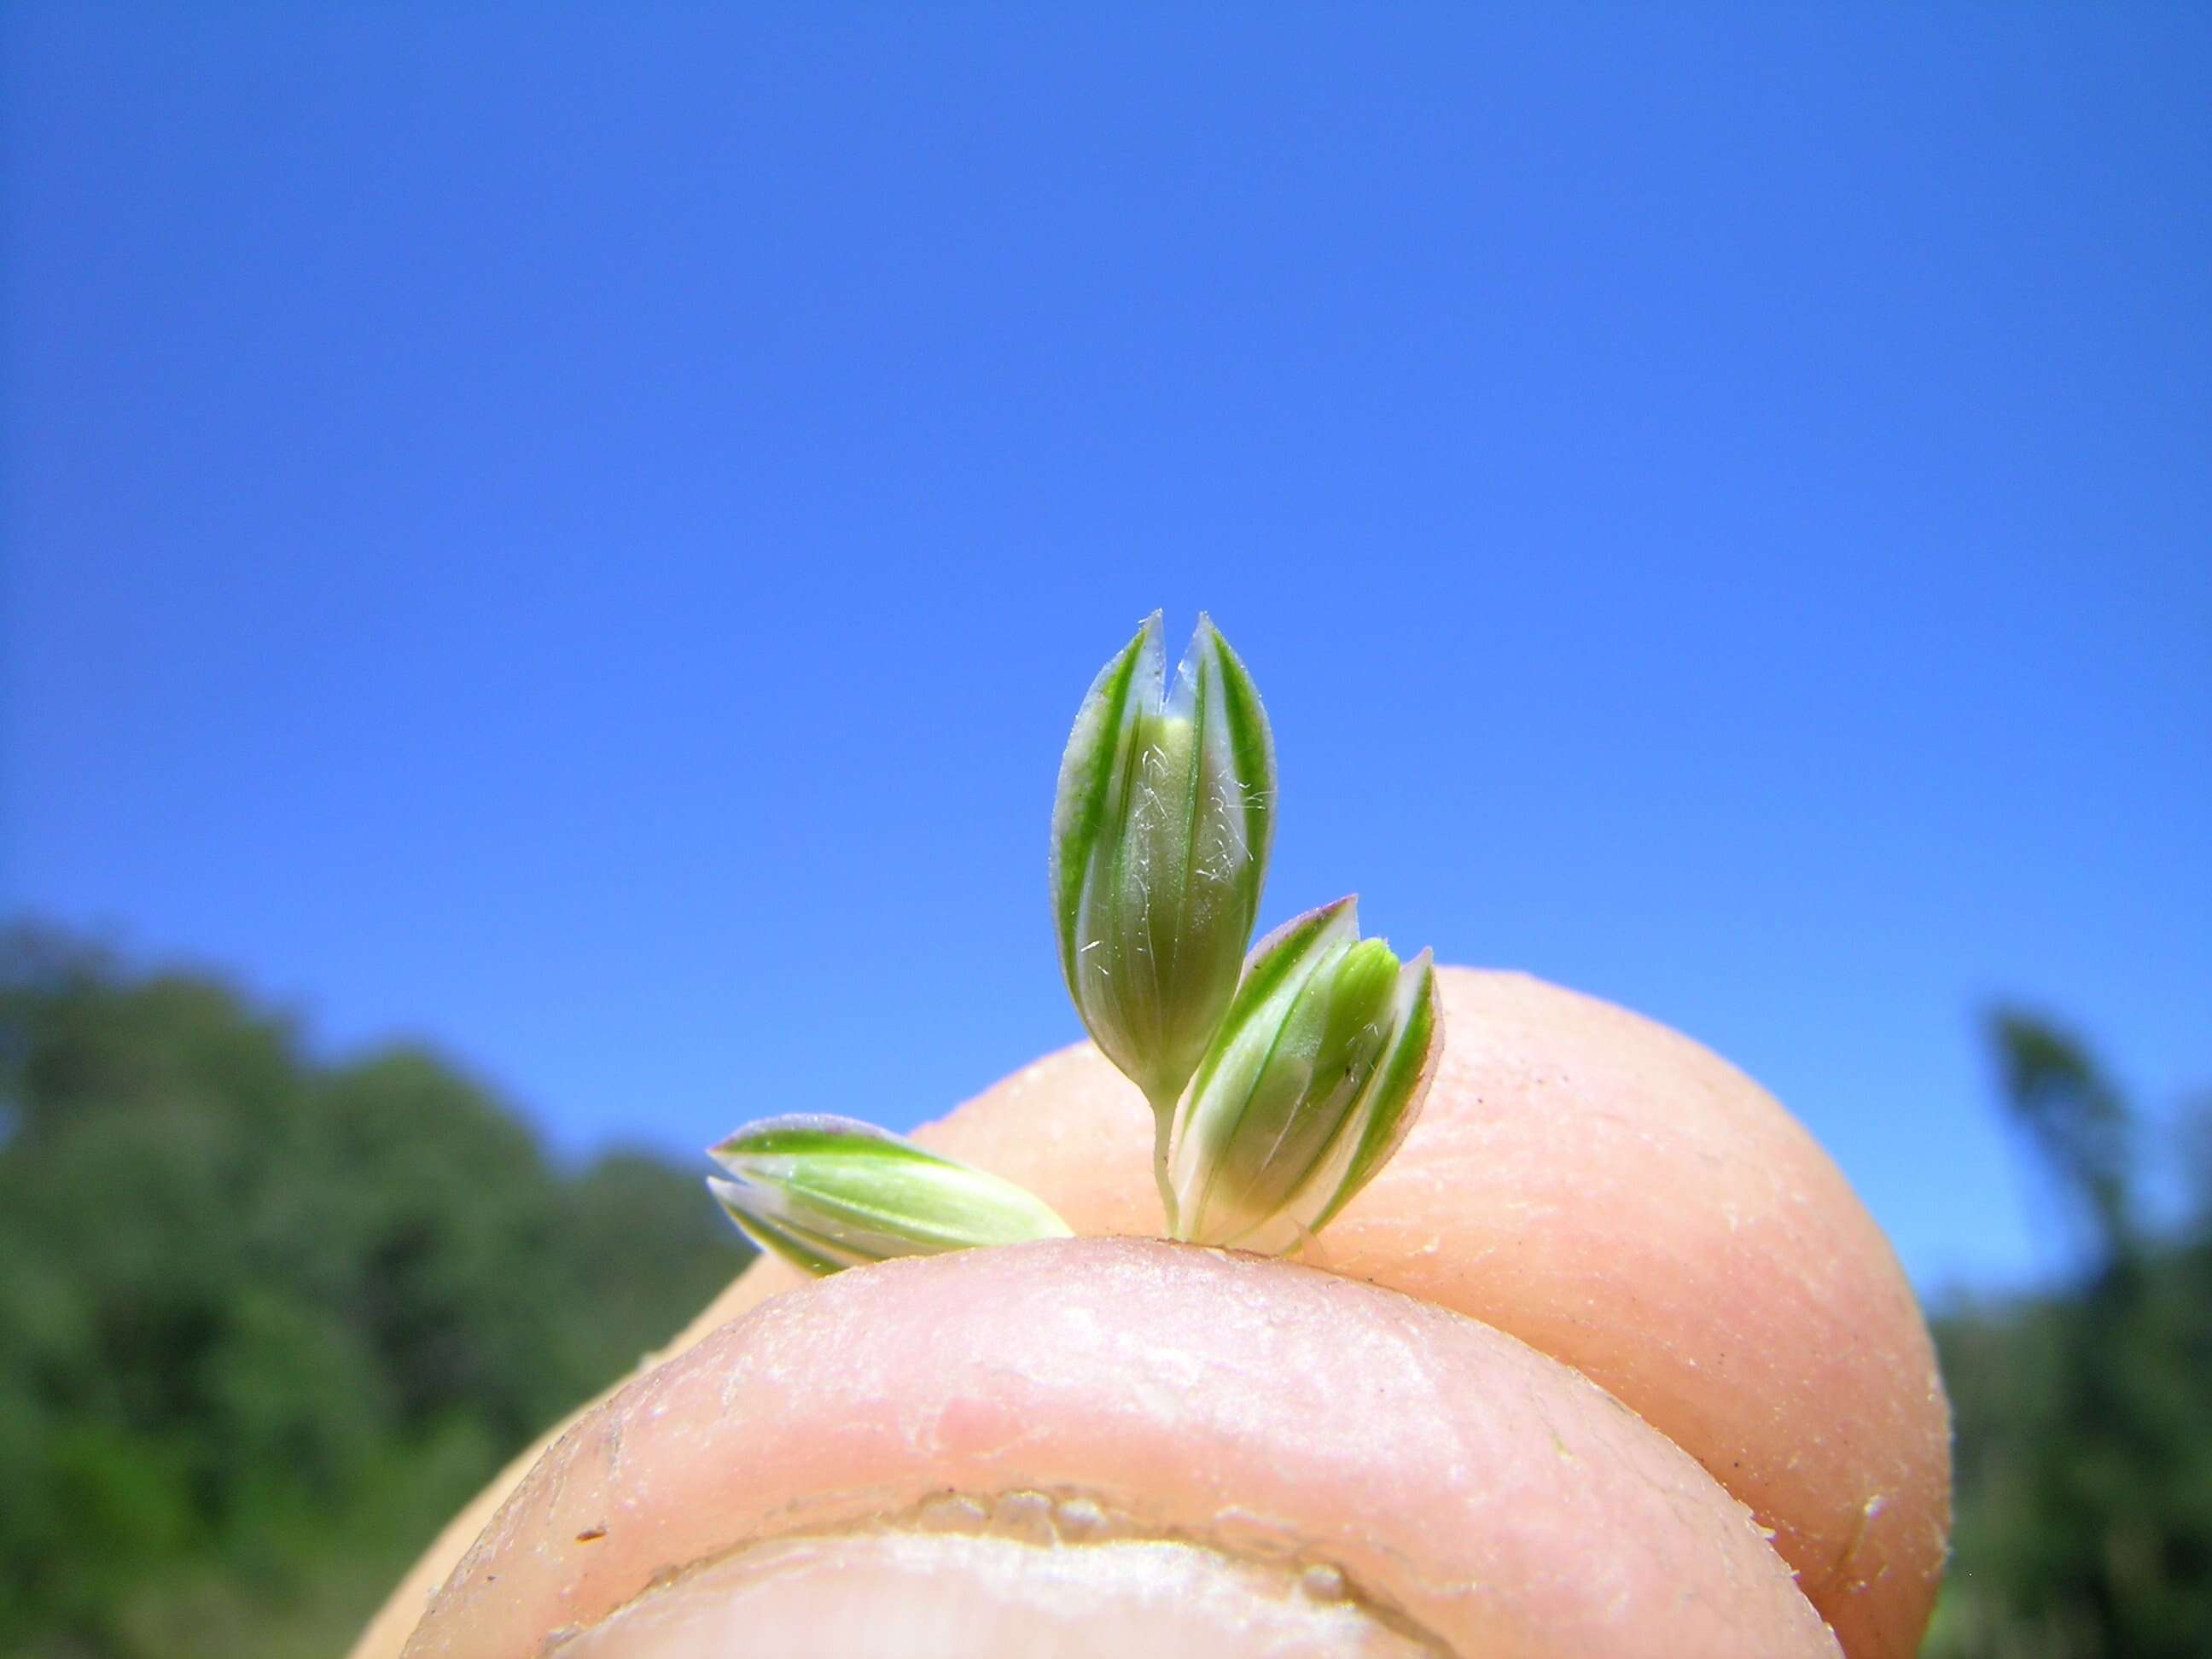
{"x": 1487, "y": 1497}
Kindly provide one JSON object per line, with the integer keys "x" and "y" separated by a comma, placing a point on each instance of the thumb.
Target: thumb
{"x": 1108, "y": 1445}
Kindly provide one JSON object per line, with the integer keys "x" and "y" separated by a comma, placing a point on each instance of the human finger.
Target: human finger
{"x": 1623, "y": 1199}
{"x": 1617, "y": 1197}
{"x": 1226, "y": 1450}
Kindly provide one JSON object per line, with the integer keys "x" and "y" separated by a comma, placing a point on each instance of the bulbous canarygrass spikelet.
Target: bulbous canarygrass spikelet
{"x": 1160, "y": 835}
{"x": 1315, "y": 1076}
{"x": 830, "y": 1193}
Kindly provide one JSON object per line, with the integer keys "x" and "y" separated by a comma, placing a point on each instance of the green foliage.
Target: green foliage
{"x": 265, "y": 1322}
{"x": 2084, "y": 1417}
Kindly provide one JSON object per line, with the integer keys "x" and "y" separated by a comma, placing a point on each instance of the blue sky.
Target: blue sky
{"x": 579, "y": 533}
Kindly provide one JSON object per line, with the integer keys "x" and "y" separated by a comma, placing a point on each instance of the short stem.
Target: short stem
{"x": 1162, "y": 1127}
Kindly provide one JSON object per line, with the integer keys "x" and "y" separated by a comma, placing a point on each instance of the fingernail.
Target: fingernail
{"x": 917, "y": 1594}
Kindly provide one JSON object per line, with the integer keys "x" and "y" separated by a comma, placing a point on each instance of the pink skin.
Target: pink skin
{"x": 1616, "y": 1197}
{"x": 1500, "y": 1503}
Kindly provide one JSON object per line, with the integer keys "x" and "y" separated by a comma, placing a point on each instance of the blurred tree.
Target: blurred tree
{"x": 2084, "y": 1419}
{"x": 265, "y": 1321}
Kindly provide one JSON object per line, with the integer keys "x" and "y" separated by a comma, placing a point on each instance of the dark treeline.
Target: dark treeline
{"x": 2084, "y": 1417}
{"x": 265, "y": 1321}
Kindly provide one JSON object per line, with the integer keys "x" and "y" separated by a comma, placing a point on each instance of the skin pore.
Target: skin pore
{"x": 1519, "y": 1398}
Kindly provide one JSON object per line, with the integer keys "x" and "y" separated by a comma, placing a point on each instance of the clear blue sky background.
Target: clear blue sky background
{"x": 578, "y": 533}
